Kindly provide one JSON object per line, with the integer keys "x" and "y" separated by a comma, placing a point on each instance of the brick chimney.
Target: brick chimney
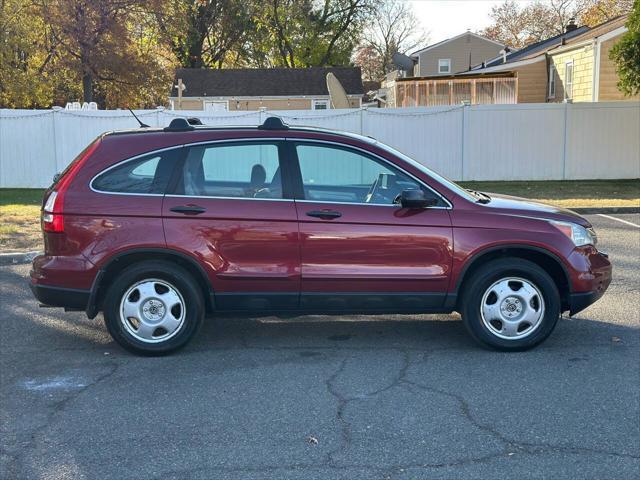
{"x": 571, "y": 26}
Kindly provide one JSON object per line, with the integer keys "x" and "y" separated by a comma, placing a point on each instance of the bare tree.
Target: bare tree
{"x": 594, "y": 12}
{"x": 395, "y": 29}
{"x": 517, "y": 24}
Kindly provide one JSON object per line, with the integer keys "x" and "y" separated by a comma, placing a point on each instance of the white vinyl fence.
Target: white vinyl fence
{"x": 482, "y": 142}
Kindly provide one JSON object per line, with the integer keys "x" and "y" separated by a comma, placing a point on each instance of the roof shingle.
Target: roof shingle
{"x": 264, "y": 82}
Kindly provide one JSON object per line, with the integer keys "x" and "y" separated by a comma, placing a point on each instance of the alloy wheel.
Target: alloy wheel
{"x": 152, "y": 311}
{"x": 512, "y": 308}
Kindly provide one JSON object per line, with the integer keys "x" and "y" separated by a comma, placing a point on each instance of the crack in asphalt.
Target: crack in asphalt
{"x": 342, "y": 401}
{"x": 510, "y": 446}
{"x": 16, "y": 463}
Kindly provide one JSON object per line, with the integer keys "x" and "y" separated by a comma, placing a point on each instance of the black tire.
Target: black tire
{"x": 181, "y": 280}
{"x": 483, "y": 278}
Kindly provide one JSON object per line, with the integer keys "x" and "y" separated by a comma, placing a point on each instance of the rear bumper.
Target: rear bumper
{"x": 63, "y": 281}
{"x": 70, "y": 298}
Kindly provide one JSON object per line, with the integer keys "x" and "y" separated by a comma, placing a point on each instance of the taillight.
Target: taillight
{"x": 53, "y": 209}
{"x": 52, "y": 220}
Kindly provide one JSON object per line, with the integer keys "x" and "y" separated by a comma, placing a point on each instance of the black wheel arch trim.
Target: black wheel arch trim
{"x": 509, "y": 246}
{"x": 93, "y": 306}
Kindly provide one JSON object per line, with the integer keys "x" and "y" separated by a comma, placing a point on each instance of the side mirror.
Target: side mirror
{"x": 415, "y": 199}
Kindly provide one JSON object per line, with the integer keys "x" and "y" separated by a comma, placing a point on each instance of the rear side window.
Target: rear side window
{"x": 149, "y": 174}
{"x": 238, "y": 171}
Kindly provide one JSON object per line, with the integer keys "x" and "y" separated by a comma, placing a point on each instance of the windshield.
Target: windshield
{"x": 454, "y": 187}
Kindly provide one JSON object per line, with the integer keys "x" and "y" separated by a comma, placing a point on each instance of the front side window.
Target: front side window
{"x": 568, "y": 81}
{"x": 335, "y": 174}
{"x": 145, "y": 175}
{"x": 444, "y": 65}
{"x": 236, "y": 171}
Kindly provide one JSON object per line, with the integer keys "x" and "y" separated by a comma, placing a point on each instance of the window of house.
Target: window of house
{"x": 444, "y": 65}
{"x": 335, "y": 174}
{"x": 250, "y": 170}
{"x": 552, "y": 81}
{"x": 216, "y": 106}
{"x": 148, "y": 174}
{"x": 568, "y": 81}
{"x": 320, "y": 104}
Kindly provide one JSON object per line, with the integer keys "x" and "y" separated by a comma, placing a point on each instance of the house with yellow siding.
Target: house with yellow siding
{"x": 580, "y": 70}
{"x": 528, "y": 66}
{"x": 573, "y": 66}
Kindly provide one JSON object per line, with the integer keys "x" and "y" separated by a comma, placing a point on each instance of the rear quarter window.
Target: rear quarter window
{"x": 149, "y": 174}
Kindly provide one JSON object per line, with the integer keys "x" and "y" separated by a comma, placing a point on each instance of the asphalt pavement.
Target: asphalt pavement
{"x": 397, "y": 397}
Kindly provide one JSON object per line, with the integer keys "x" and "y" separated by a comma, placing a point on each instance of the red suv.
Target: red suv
{"x": 158, "y": 227}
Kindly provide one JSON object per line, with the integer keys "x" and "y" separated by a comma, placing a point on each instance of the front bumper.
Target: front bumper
{"x": 580, "y": 301}
{"x": 591, "y": 280}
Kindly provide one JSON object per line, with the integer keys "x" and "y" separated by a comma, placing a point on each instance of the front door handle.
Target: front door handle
{"x": 324, "y": 214}
{"x": 189, "y": 209}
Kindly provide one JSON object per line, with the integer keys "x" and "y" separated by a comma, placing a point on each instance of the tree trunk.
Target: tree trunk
{"x": 87, "y": 87}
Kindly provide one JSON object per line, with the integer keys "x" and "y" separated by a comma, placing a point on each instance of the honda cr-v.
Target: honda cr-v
{"x": 157, "y": 228}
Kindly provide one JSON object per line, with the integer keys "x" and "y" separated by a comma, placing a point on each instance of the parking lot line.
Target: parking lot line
{"x": 619, "y": 220}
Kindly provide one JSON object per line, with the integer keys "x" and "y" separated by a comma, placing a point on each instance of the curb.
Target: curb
{"x": 16, "y": 258}
{"x": 596, "y": 210}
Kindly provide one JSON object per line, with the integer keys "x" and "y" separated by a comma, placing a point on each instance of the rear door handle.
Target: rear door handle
{"x": 189, "y": 209}
{"x": 324, "y": 214}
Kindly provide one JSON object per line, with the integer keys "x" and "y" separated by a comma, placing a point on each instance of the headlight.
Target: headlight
{"x": 577, "y": 233}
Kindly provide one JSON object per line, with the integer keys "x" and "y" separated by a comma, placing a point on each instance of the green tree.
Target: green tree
{"x": 25, "y": 80}
{"x": 95, "y": 39}
{"x": 203, "y": 33}
{"x": 55, "y": 51}
{"x": 308, "y": 33}
{"x": 626, "y": 54}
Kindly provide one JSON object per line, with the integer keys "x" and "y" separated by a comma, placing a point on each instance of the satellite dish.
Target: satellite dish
{"x": 337, "y": 93}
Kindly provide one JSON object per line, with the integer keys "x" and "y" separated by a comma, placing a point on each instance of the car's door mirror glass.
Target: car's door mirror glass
{"x": 414, "y": 198}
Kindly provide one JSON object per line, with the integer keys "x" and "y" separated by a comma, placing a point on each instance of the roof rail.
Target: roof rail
{"x": 273, "y": 123}
{"x": 179, "y": 125}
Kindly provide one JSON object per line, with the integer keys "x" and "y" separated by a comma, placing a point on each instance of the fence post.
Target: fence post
{"x": 465, "y": 140}
{"x": 363, "y": 112}
{"x": 159, "y": 112}
{"x": 1, "y": 156}
{"x": 263, "y": 115}
{"x": 56, "y": 156}
{"x": 564, "y": 140}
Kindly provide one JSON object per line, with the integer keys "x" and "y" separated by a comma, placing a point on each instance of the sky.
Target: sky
{"x": 447, "y": 18}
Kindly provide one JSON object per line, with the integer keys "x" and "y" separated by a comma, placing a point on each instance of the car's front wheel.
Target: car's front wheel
{"x": 153, "y": 308}
{"x": 510, "y": 304}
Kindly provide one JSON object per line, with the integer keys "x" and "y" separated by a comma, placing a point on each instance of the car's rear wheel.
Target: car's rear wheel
{"x": 153, "y": 308}
{"x": 510, "y": 304}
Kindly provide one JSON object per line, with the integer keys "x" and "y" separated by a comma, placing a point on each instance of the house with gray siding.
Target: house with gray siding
{"x": 454, "y": 55}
